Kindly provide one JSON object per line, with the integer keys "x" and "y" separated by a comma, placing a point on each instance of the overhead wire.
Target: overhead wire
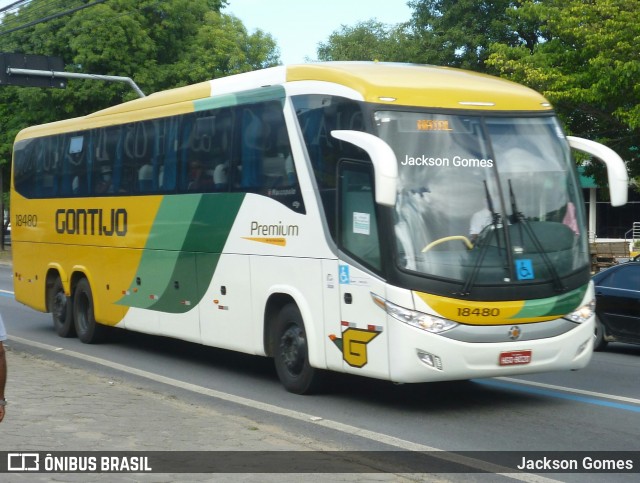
{"x": 38, "y": 9}
{"x": 13, "y": 6}
{"x": 44, "y": 3}
{"x": 19, "y": 11}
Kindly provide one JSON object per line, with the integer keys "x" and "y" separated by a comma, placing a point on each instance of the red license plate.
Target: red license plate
{"x": 515, "y": 358}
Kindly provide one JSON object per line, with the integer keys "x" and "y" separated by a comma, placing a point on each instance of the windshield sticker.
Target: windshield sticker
{"x": 75, "y": 145}
{"x": 456, "y": 161}
{"x": 524, "y": 269}
{"x": 361, "y": 223}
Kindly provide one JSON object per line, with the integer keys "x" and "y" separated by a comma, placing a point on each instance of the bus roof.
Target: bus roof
{"x": 423, "y": 85}
{"x": 378, "y": 82}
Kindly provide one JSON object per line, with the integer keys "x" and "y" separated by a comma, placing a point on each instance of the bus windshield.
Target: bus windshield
{"x": 485, "y": 200}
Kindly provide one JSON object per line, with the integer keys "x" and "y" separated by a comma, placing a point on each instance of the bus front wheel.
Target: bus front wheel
{"x": 291, "y": 353}
{"x": 61, "y": 309}
{"x": 88, "y": 330}
{"x": 600, "y": 342}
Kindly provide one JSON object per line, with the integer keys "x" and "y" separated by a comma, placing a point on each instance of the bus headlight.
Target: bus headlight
{"x": 583, "y": 313}
{"x": 423, "y": 321}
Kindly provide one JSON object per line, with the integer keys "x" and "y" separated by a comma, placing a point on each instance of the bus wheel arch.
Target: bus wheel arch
{"x": 60, "y": 306}
{"x": 272, "y": 309}
{"x": 88, "y": 330}
{"x": 290, "y": 350}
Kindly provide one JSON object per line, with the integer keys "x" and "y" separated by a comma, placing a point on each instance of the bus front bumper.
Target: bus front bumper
{"x": 426, "y": 357}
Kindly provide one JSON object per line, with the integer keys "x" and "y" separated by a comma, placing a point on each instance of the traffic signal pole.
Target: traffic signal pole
{"x": 75, "y": 75}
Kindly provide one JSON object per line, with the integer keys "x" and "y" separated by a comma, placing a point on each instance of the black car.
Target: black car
{"x": 618, "y": 304}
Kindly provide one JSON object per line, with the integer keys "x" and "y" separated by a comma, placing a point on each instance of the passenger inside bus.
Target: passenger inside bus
{"x": 199, "y": 178}
{"x": 104, "y": 184}
{"x": 220, "y": 176}
{"x": 479, "y": 220}
{"x": 145, "y": 178}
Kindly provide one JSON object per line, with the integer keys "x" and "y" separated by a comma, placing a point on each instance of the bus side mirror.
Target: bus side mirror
{"x": 385, "y": 164}
{"x": 616, "y": 170}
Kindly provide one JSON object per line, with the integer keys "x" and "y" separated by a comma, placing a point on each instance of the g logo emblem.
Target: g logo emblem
{"x": 515, "y": 332}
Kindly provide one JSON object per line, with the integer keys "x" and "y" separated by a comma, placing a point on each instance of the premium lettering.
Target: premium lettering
{"x": 273, "y": 230}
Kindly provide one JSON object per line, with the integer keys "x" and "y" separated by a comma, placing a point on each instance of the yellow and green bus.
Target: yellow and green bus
{"x": 402, "y": 222}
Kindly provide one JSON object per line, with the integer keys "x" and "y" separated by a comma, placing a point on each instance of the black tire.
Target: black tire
{"x": 61, "y": 308}
{"x": 291, "y": 354}
{"x": 88, "y": 330}
{"x": 600, "y": 342}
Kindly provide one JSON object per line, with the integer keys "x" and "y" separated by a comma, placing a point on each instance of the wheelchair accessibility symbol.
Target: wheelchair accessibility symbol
{"x": 524, "y": 270}
{"x": 345, "y": 279}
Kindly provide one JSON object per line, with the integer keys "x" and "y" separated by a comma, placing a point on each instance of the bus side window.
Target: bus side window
{"x": 76, "y": 159}
{"x": 167, "y": 169}
{"x": 265, "y": 164}
{"x": 221, "y": 150}
{"x": 357, "y": 213}
{"x": 251, "y": 149}
{"x": 318, "y": 115}
{"x": 277, "y": 164}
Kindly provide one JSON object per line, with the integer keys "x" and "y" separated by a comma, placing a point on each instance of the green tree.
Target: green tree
{"x": 458, "y": 33}
{"x": 159, "y": 44}
{"x": 587, "y": 64}
{"x": 370, "y": 40}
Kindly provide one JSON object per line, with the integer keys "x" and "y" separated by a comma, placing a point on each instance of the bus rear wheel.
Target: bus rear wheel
{"x": 61, "y": 309}
{"x": 88, "y": 330}
{"x": 291, "y": 353}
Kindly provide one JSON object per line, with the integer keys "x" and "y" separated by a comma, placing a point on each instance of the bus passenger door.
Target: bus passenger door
{"x": 362, "y": 338}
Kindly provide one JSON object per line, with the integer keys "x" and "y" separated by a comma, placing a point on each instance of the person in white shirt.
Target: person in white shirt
{"x": 479, "y": 221}
{"x": 3, "y": 369}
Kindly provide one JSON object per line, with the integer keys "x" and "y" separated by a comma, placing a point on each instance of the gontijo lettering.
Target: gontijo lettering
{"x": 92, "y": 221}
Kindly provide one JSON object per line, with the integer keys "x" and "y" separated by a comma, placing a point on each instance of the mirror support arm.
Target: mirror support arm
{"x": 385, "y": 164}
{"x": 616, "y": 169}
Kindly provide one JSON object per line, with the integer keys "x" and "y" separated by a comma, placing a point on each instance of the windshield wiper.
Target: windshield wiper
{"x": 483, "y": 243}
{"x": 519, "y": 217}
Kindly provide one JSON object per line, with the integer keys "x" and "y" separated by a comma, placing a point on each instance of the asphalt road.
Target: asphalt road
{"x": 596, "y": 409}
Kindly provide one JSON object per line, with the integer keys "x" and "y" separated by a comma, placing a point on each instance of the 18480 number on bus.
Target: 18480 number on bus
{"x": 478, "y": 312}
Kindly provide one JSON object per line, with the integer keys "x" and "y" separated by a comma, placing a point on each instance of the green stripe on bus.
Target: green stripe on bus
{"x": 267, "y": 93}
{"x": 559, "y": 305}
{"x": 182, "y": 251}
